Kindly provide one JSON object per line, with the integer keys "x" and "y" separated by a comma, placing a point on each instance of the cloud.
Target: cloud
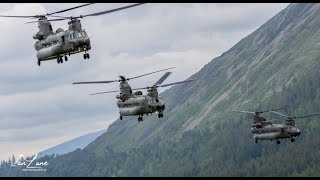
{"x": 39, "y": 106}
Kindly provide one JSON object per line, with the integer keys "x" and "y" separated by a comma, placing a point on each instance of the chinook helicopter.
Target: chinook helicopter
{"x": 132, "y": 104}
{"x": 258, "y": 120}
{"x": 266, "y": 130}
{"x": 54, "y": 45}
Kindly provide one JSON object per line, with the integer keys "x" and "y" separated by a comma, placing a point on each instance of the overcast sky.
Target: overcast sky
{"x": 39, "y": 106}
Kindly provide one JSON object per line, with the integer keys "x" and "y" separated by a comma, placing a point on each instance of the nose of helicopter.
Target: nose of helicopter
{"x": 84, "y": 41}
{"x": 298, "y": 132}
{"x": 159, "y": 106}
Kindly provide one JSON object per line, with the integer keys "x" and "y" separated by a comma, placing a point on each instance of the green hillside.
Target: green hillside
{"x": 277, "y": 65}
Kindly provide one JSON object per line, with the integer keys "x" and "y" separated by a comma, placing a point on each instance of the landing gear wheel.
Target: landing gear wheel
{"x": 39, "y": 63}
{"x": 120, "y": 117}
{"x": 88, "y": 56}
{"x": 292, "y": 140}
{"x": 160, "y": 115}
{"x": 65, "y": 58}
{"x": 278, "y": 142}
{"x": 256, "y": 141}
{"x": 59, "y": 60}
{"x": 140, "y": 118}
{"x": 84, "y": 56}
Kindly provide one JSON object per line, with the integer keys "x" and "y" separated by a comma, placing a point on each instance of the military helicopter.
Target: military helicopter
{"x": 258, "y": 120}
{"x": 132, "y": 104}
{"x": 266, "y": 130}
{"x": 54, "y": 45}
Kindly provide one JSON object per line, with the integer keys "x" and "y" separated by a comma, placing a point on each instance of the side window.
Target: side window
{"x": 62, "y": 37}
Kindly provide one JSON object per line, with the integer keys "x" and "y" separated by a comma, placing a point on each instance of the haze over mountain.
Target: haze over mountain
{"x": 71, "y": 145}
{"x": 275, "y": 66}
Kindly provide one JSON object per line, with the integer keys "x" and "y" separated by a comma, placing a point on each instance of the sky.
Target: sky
{"x": 39, "y": 106}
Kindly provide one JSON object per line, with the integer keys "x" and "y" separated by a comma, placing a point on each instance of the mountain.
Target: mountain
{"x": 69, "y": 146}
{"x": 275, "y": 66}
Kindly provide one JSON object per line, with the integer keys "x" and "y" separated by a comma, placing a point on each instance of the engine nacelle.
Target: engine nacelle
{"x": 59, "y": 30}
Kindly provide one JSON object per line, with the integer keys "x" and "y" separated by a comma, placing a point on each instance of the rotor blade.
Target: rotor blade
{"x": 104, "y": 92}
{"x": 95, "y": 82}
{"x": 272, "y": 110}
{"x": 176, "y": 83}
{"x": 60, "y": 19}
{"x": 280, "y": 114}
{"x": 165, "y": 84}
{"x": 140, "y": 88}
{"x": 150, "y": 73}
{"x": 18, "y": 16}
{"x": 112, "y": 10}
{"x": 164, "y": 77}
{"x": 249, "y": 112}
{"x": 66, "y": 17}
{"x": 61, "y": 11}
{"x": 316, "y": 114}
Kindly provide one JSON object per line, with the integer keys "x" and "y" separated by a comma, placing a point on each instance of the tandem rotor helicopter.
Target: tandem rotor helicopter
{"x": 132, "y": 104}
{"x": 54, "y": 45}
{"x": 266, "y": 130}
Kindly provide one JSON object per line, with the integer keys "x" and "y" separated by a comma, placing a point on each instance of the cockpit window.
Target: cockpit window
{"x": 74, "y": 36}
{"x": 79, "y": 35}
{"x": 151, "y": 101}
{"x": 84, "y": 34}
{"x": 290, "y": 123}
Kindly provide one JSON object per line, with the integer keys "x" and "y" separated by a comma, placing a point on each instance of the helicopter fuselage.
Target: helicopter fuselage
{"x": 62, "y": 43}
{"x": 275, "y": 132}
{"x": 139, "y": 105}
